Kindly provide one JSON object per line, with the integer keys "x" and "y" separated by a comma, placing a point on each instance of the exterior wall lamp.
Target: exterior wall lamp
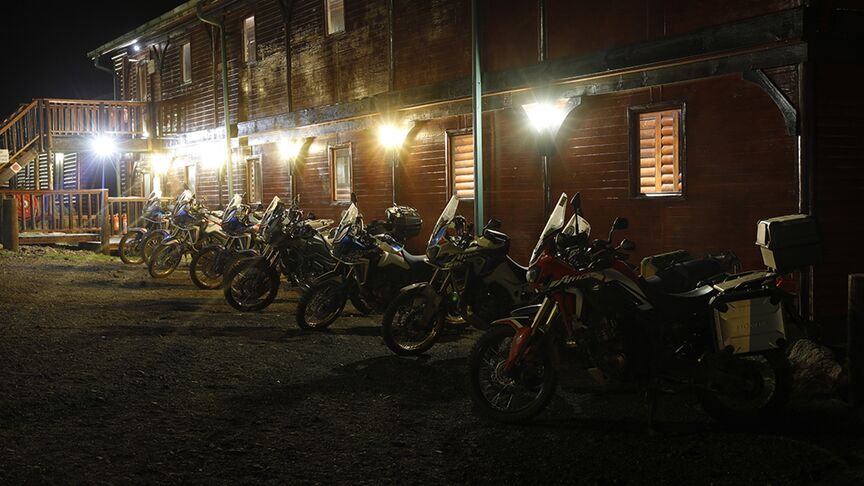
{"x": 291, "y": 150}
{"x": 546, "y": 118}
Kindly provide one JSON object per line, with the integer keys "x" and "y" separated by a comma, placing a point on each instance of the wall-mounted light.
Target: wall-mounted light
{"x": 289, "y": 148}
{"x": 547, "y": 117}
{"x": 160, "y": 163}
{"x": 212, "y": 155}
{"x": 392, "y": 136}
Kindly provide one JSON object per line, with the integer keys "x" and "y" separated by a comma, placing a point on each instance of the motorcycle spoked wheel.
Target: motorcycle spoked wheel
{"x": 748, "y": 390}
{"x": 251, "y": 285}
{"x": 151, "y": 241}
{"x": 403, "y": 327}
{"x": 500, "y": 396}
{"x": 165, "y": 259}
{"x": 208, "y": 266}
{"x": 321, "y": 305}
{"x": 130, "y": 247}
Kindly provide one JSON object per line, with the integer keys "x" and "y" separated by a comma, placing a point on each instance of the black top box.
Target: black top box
{"x": 788, "y": 243}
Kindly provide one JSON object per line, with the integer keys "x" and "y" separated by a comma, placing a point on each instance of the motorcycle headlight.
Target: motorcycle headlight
{"x": 532, "y": 274}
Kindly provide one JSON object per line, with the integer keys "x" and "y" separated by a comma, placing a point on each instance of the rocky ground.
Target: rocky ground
{"x": 108, "y": 376}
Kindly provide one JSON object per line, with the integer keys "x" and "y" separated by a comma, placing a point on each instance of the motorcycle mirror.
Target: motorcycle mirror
{"x": 311, "y": 216}
{"x": 493, "y": 224}
{"x": 627, "y": 245}
{"x": 620, "y": 223}
{"x": 354, "y": 198}
{"x": 576, "y": 202}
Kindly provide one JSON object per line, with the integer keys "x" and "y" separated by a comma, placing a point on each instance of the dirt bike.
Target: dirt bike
{"x": 209, "y": 265}
{"x": 371, "y": 268}
{"x": 292, "y": 245}
{"x": 621, "y": 328}
{"x": 474, "y": 279}
{"x": 154, "y": 217}
{"x": 195, "y": 228}
{"x": 158, "y": 235}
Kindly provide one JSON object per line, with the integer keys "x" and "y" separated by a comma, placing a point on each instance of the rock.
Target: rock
{"x": 815, "y": 370}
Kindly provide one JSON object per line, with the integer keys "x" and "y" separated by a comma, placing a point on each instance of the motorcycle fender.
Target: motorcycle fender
{"x": 517, "y": 347}
{"x": 409, "y": 288}
{"x": 516, "y": 322}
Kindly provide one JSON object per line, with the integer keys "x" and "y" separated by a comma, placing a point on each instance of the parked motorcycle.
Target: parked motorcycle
{"x": 209, "y": 265}
{"x": 154, "y": 217}
{"x": 370, "y": 270}
{"x": 474, "y": 278}
{"x": 293, "y": 246}
{"x": 196, "y": 228}
{"x": 157, "y": 236}
{"x": 623, "y": 328}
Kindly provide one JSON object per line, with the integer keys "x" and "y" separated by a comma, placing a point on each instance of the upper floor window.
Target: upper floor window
{"x": 460, "y": 157}
{"x": 249, "y": 53}
{"x": 186, "y": 61}
{"x": 657, "y": 161}
{"x": 335, "y": 16}
{"x": 340, "y": 173}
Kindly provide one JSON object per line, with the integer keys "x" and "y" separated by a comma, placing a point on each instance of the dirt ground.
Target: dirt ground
{"x": 110, "y": 377}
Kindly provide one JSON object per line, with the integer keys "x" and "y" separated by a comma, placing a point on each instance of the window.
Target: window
{"x": 191, "y": 171}
{"x": 657, "y": 156}
{"x": 249, "y": 53}
{"x": 460, "y": 155}
{"x": 254, "y": 182}
{"x": 143, "y": 91}
{"x": 340, "y": 173}
{"x": 335, "y": 16}
{"x": 186, "y": 61}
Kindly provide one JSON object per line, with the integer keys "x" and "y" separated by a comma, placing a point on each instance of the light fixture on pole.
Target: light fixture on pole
{"x": 546, "y": 118}
{"x": 291, "y": 149}
{"x": 391, "y": 137}
{"x": 105, "y": 148}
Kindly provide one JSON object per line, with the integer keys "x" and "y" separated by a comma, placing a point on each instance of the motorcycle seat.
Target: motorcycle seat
{"x": 683, "y": 277}
{"x": 519, "y": 270}
{"x": 413, "y": 260}
{"x": 681, "y": 302}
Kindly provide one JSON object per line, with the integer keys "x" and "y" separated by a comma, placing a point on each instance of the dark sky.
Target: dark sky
{"x": 45, "y": 46}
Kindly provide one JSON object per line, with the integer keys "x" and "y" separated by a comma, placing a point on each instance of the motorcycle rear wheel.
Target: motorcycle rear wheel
{"x": 402, "y": 329}
{"x": 251, "y": 285}
{"x": 130, "y": 247}
{"x": 321, "y": 305}
{"x": 499, "y": 396}
{"x": 165, "y": 259}
{"x": 755, "y": 390}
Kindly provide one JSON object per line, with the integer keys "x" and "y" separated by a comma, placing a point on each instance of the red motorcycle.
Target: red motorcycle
{"x": 623, "y": 328}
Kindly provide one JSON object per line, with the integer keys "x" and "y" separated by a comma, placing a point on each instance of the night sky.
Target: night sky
{"x": 45, "y": 46}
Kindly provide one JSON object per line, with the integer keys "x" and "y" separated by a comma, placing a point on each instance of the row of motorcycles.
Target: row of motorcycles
{"x": 579, "y": 301}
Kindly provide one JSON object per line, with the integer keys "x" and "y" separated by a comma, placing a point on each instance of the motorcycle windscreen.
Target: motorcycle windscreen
{"x": 268, "y": 213}
{"x": 349, "y": 217}
{"x": 577, "y": 225}
{"x": 441, "y": 226}
{"x": 554, "y": 223}
{"x": 232, "y": 207}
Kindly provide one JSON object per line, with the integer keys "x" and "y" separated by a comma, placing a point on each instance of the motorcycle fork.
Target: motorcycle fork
{"x": 518, "y": 347}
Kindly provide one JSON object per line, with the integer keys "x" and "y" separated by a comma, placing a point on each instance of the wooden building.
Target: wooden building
{"x": 693, "y": 119}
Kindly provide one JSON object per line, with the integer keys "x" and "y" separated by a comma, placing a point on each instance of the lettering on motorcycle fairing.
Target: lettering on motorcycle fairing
{"x": 569, "y": 279}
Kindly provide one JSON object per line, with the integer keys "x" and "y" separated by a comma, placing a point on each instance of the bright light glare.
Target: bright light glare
{"x": 545, "y": 117}
{"x": 212, "y": 155}
{"x": 160, "y": 163}
{"x": 289, "y": 149}
{"x": 391, "y": 136}
{"x": 104, "y": 146}
{"x": 136, "y": 48}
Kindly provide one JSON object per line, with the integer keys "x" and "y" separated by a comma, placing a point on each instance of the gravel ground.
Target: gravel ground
{"x": 108, "y": 376}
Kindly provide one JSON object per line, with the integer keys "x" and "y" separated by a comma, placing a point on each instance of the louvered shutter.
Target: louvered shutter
{"x": 462, "y": 165}
{"x": 659, "y": 146}
{"x": 341, "y": 173}
{"x": 43, "y": 171}
{"x": 70, "y": 171}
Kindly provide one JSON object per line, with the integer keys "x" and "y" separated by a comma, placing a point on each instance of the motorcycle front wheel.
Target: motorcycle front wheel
{"x": 151, "y": 241}
{"x": 251, "y": 285}
{"x": 321, "y": 305}
{"x": 405, "y": 330}
{"x": 130, "y": 247}
{"x": 509, "y": 397}
{"x": 747, "y": 390}
{"x": 165, "y": 259}
{"x": 208, "y": 266}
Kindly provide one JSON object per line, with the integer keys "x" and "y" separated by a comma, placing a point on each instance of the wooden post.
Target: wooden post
{"x": 9, "y": 229}
{"x": 856, "y": 339}
{"x": 105, "y": 224}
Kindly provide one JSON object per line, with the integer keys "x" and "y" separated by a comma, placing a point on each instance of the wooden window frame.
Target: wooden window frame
{"x": 331, "y": 156}
{"x": 327, "y": 21}
{"x": 633, "y": 113}
{"x": 448, "y": 157}
{"x": 183, "y": 50}
{"x": 245, "y": 38}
